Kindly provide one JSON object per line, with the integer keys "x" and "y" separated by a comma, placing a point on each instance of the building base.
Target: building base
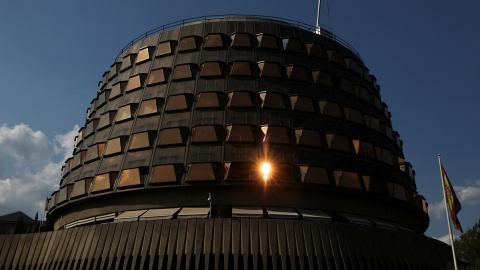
{"x": 223, "y": 243}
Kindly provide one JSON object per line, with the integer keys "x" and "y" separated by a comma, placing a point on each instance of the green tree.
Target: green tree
{"x": 467, "y": 247}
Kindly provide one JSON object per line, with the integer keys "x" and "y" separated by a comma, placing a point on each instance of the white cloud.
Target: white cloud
{"x": 437, "y": 210}
{"x": 65, "y": 142}
{"x": 37, "y": 163}
{"x": 468, "y": 195}
{"x": 25, "y": 146}
{"x": 446, "y": 239}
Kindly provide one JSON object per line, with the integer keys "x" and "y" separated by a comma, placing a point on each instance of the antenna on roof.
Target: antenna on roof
{"x": 317, "y": 28}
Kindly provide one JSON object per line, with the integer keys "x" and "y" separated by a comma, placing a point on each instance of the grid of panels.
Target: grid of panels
{"x": 202, "y": 100}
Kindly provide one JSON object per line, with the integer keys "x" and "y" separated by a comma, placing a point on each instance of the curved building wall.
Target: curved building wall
{"x": 194, "y": 111}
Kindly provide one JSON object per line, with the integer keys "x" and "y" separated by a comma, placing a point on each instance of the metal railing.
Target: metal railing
{"x": 326, "y": 32}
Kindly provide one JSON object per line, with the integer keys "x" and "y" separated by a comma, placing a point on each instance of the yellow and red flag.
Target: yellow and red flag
{"x": 452, "y": 200}
{"x": 46, "y": 204}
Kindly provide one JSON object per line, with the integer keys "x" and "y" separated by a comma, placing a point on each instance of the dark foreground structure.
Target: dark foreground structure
{"x": 235, "y": 143}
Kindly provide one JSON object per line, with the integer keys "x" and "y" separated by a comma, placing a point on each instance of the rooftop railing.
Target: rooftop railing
{"x": 324, "y": 31}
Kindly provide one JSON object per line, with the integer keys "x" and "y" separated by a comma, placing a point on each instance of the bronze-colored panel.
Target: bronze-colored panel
{"x": 281, "y": 172}
{"x": 240, "y": 100}
{"x": 353, "y": 65}
{"x": 88, "y": 183}
{"x": 117, "y": 89}
{"x": 330, "y": 108}
{"x": 354, "y": 115}
{"x": 242, "y": 171}
{"x": 114, "y": 70}
{"x": 335, "y": 57}
{"x": 214, "y": 41}
{"x": 241, "y": 68}
{"x": 292, "y": 45}
{"x": 145, "y": 54}
{"x": 372, "y": 122}
{"x": 387, "y": 156}
{"x": 272, "y": 101}
{"x": 103, "y": 182}
{"x": 142, "y": 140}
{"x": 170, "y": 173}
{"x": 315, "y": 49}
{"x": 178, "y": 102}
{"x": 346, "y": 86}
{"x": 106, "y": 120}
{"x": 347, "y": 179}
{"x": 172, "y": 136}
{"x": 149, "y": 107}
{"x": 166, "y": 48}
{"x": 205, "y": 134}
{"x": 93, "y": 107}
{"x": 103, "y": 97}
{"x": 273, "y": 134}
{"x": 115, "y": 146}
{"x": 378, "y": 151}
{"x": 387, "y": 131}
{"x": 269, "y": 69}
{"x": 266, "y": 41}
{"x": 314, "y": 175}
{"x": 91, "y": 127}
{"x": 241, "y": 40}
{"x": 184, "y": 71}
{"x": 62, "y": 195}
{"x": 209, "y": 100}
{"x": 136, "y": 82}
{"x": 240, "y": 133}
{"x": 364, "y": 148}
{"x": 189, "y": 44}
{"x": 302, "y": 104}
{"x": 399, "y": 192}
{"x": 128, "y": 61}
{"x": 297, "y": 73}
{"x": 124, "y": 113}
{"x": 94, "y": 152}
{"x": 80, "y": 136}
{"x": 211, "y": 69}
{"x": 361, "y": 92}
{"x": 130, "y": 177}
{"x": 322, "y": 78}
{"x": 78, "y": 159}
{"x": 66, "y": 168}
{"x": 158, "y": 76}
{"x": 79, "y": 189}
{"x": 69, "y": 191}
{"x": 202, "y": 172}
{"x": 69, "y": 162}
{"x": 308, "y": 137}
{"x": 338, "y": 142}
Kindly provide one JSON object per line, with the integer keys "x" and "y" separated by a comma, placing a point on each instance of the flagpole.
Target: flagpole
{"x": 317, "y": 29}
{"x": 448, "y": 214}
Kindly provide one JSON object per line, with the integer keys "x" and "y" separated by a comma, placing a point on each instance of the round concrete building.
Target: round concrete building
{"x": 241, "y": 143}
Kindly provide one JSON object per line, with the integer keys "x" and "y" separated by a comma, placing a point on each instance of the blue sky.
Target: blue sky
{"x": 424, "y": 55}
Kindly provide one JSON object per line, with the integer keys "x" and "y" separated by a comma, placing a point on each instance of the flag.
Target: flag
{"x": 452, "y": 200}
{"x": 46, "y": 204}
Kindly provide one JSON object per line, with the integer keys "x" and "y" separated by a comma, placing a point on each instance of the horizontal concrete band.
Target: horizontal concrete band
{"x": 223, "y": 243}
{"x": 344, "y": 201}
